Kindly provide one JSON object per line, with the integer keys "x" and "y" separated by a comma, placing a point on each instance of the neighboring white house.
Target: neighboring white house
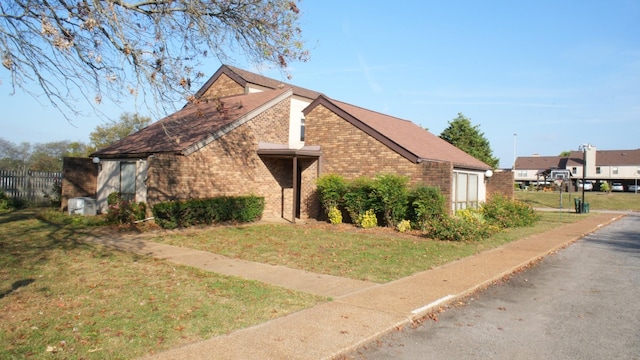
{"x": 601, "y": 165}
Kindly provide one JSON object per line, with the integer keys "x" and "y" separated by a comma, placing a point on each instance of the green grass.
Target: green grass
{"x": 378, "y": 255}
{"x": 597, "y": 200}
{"x": 59, "y": 294}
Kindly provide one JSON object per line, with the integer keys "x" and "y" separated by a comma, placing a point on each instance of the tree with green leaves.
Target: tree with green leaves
{"x": 468, "y": 138}
{"x": 38, "y": 157}
{"x": 565, "y": 153}
{"x": 117, "y": 48}
{"x": 106, "y": 135}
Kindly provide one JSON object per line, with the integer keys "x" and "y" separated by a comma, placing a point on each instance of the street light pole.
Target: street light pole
{"x": 584, "y": 148}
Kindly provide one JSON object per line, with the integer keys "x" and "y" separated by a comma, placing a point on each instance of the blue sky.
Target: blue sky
{"x": 556, "y": 73}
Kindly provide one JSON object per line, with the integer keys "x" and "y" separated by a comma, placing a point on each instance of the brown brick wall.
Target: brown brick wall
{"x": 350, "y": 152}
{"x": 230, "y": 166}
{"x": 501, "y": 183}
{"x": 79, "y": 179}
{"x": 223, "y": 86}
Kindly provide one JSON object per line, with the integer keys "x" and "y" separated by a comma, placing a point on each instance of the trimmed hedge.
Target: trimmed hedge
{"x": 241, "y": 209}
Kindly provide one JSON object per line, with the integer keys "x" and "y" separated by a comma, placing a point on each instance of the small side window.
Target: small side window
{"x": 302, "y": 129}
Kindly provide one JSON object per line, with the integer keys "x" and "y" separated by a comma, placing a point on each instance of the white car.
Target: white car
{"x": 634, "y": 188}
{"x": 588, "y": 185}
{"x": 616, "y": 186}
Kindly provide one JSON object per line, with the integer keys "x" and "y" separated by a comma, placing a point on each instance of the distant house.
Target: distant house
{"x": 621, "y": 166}
{"x": 249, "y": 134}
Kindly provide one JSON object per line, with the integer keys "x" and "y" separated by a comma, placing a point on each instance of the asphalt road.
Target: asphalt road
{"x": 580, "y": 303}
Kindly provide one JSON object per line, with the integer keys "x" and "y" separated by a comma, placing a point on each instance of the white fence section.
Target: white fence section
{"x": 34, "y": 187}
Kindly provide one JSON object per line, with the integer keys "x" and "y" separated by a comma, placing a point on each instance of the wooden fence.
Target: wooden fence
{"x": 34, "y": 187}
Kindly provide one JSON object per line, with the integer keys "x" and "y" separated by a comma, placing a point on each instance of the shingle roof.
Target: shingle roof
{"x": 610, "y": 157}
{"x": 575, "y": 158}
{"x": 403, "y": 136}
{"x": 540, "y": 162}
{"x": 244, "y": 77}
{"x": 193, "y": 126}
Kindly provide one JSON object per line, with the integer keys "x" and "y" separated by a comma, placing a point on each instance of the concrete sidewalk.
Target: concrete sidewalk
{"x": 361, "y": 311}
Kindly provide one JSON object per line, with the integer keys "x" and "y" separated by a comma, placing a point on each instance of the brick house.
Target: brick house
{"x": 249, "y": 134}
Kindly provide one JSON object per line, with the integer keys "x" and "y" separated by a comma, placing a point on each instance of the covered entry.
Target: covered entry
{"x": 296, "y": 171}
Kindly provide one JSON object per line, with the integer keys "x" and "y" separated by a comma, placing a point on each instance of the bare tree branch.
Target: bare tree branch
{"x": 152, "y": 49}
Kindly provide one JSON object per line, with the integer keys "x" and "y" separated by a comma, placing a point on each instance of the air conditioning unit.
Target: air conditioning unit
{"x": 82, "y": 206}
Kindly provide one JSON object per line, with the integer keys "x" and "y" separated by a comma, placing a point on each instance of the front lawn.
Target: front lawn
{"x": 62, "y": 298}
{"x": 378, "y": 254}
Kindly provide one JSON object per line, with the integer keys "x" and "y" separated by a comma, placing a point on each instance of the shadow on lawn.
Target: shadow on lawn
{"x": 27, "y": 238}
{"x": 15, "y": 286}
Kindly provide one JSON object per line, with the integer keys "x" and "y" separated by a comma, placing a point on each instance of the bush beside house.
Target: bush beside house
{"x": 241, "y": 209}
{"x": 387, "y": 198}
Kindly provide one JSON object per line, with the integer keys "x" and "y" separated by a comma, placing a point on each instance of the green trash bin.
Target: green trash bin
{"x": 585, "y": 207}
{"x": 578, "y": 205}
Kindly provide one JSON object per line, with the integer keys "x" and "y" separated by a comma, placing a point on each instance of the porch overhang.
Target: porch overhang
{"x": 282, "y": 151}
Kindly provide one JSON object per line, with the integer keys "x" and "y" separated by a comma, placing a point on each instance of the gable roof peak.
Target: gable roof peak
{"x": 244, "y": 77}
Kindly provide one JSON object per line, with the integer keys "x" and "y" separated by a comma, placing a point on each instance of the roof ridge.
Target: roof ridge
{"x": 373, "y": 111}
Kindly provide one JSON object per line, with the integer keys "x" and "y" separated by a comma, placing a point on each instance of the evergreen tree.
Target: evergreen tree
{"x": 469, "y": 139}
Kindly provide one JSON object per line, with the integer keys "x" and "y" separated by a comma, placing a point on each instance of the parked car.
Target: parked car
{"x": 616, "y": 186}
{"x": 588, "y": 185}
{"x": 634, "y": 188}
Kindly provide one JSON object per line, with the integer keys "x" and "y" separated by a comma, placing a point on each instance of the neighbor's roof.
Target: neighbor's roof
{"x": 403, "y": 136}
{"x": 609, "y": 158}
{"x": 194, "y": 126}
{"x": 244, "y": 77}
{"x": 540, "y": 162}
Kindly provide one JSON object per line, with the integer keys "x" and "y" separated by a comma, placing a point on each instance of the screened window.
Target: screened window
{"x": 128, "y": 180}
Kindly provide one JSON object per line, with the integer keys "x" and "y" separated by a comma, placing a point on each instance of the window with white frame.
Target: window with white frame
{"x": 615, "y": 170}
{"x": 574, "y": 170}
{"x": 302, "y": 129}
{"x": 598, "y": 171}
{"x": 465, "y": 192}
{"x": 522, "y": 173}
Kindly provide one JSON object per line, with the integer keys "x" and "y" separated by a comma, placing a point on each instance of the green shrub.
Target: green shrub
{"x": 357, "y": 198}
{"x": 459, "y": 228}
{"x": 508, "y": 213}
{"x": 5, "y": 203}
{"x": 426, "y": 204}
{"x": 331, "y": 188}
{"x": 335, "y": 215}
{"x": 368, "y": 219}
{"x": 390, "y": 194}
{"x": 9, "y": 204}
{"x": 174, "y": 214}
